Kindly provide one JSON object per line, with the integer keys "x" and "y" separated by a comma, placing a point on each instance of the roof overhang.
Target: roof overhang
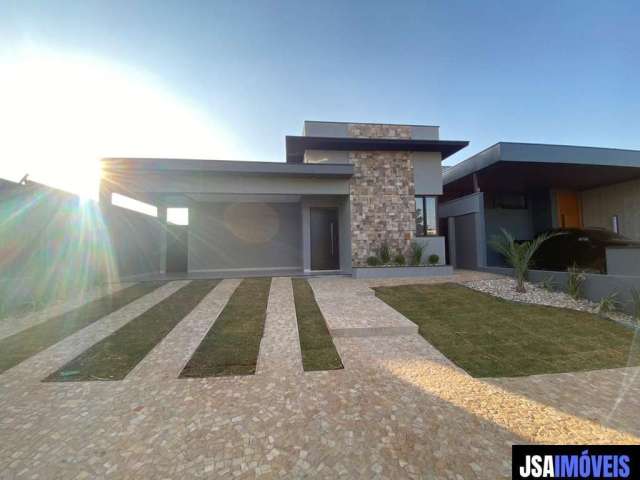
{"x": 517, "y": 167}
{"x": 296, "y": 145}
{"x": 229, "y": 167}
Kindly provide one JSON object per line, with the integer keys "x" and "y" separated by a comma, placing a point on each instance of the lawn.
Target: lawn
{"x": 316, "y": 344}
{"x": 491, "y": 337}
{"x": 232, "y": 344}
{"x": 116, "y": 355}
{"x": 22, "y": 345}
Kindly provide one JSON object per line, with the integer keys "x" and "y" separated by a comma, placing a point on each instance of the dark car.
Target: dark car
{"x": 583, "y": 247}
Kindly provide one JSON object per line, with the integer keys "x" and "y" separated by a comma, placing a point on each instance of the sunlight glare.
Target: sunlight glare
{"x": 61, "y": 113}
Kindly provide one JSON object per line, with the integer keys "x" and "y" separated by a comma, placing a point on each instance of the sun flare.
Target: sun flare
{"x": 60, "y": 114}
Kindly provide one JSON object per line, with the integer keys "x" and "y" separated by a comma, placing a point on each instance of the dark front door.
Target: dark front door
{"x": 177, "y": 248}
{"x": 324, "y": 239}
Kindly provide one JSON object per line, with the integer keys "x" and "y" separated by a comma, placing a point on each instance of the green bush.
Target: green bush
{"x": 415, "y": 253}
{"x": 608, "y": 303}
{"x": 399, "y": 259}
{"x": 433, "y": 259}
{"x": 373, "y": 261}
{"x": 518, "y": 255}
{"x": 549, "y": 284}
{"x": 574, "y": 281}
{"x": 384, "y": 253}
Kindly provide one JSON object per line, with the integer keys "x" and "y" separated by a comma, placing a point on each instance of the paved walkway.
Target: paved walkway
{"x": 351, "y": 309}
{"x": 399, "y": 409}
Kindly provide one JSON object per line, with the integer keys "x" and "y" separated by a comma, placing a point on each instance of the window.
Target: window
{"x": 511, "y": 201}
{"x": 615, "y": 224}
{"x": 133, "y": 204}
{"x": 178, "y": 216}
{"x": 426, "y": 218}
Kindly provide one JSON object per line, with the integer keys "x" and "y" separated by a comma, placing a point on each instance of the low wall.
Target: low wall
{"x": 594, "y": 288}
{"x": 399, "y": 272}
{"x": 623, "y": 261}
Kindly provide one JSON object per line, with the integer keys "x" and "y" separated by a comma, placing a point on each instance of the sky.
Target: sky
{"x": 80, "y": 80}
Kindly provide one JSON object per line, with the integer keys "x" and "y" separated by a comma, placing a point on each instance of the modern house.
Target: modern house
{"x": 529, "y": 188}
{"x": 344, "y": 190}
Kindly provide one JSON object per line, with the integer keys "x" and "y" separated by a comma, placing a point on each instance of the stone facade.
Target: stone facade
{"x": 377, "y": 130}
{"x": 382, "y": 203}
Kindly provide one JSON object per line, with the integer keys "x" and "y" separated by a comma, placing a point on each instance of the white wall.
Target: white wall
{"x": 427, "y": 172}
{"x": 623, "y": 199}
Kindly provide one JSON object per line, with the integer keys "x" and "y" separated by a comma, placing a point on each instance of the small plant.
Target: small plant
{"x": 399, "y": 259}
{"x": 518, "y": 255}
{"x": 548, "y": 284}
{"x": 635, "y": 304}
{"x": 384, "y": 253}
{"x": 433, "y": 259}
{"x": 415, "y": 253}
{"x": 373, "y": 261}
{"x": 608, "y": 303}
{"x": 575, "y": 281}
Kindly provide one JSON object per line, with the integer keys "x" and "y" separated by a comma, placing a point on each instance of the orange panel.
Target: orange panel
{"x": 569, "y": 212}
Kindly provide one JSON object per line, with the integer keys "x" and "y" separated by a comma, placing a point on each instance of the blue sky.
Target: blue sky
{"x": 550, "y": 71}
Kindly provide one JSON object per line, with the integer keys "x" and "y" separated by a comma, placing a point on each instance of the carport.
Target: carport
{"x": 530, "y": 188}
{"x": 244, "y": 218}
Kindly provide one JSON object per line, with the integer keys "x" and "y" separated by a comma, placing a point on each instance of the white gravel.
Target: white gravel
{"x": 505, "y": 288}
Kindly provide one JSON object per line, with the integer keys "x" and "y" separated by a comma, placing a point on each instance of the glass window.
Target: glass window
{"x": 178, "y": 216}
{"x": 419, "y": 216}
{"x": 133, "y": 204}
{"x": 426, "y": 216}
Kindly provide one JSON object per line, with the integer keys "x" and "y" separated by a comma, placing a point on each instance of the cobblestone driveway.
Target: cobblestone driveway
{"x": 399, "y": 409}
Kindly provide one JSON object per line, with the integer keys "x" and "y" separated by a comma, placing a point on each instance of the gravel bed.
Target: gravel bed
{"x": 505, "y": 288}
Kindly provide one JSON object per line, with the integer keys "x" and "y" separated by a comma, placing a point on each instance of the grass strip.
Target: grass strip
{"x": 492, "y": 337}
{"x": 232, "y": 344}
{"x": 116, "y": 355}
{"x": 316, "y": 344}
{"x": 26, "y": 343}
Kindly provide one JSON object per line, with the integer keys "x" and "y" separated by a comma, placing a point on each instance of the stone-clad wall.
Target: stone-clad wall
{"x": 382, "y": 203}
{"x": 382, "y": 195}
{"x": 376, "y": 130}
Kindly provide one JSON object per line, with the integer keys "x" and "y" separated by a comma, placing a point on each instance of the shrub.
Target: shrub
{"x": 549, "y": 283}
{"x": 574, "y": 281}
{"x": 384, "y": 253}
{"x": 373, "y": 261}
{"x": 415, "y": 253}
{"x": 635, "y": 303}
{"x": 518, "y": 255}
{"x": 399, "y": 259}
{"x": 433, "y": 259}
{"x": 608, "y": 303}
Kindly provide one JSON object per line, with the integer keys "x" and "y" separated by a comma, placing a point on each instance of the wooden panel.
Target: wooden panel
{"x": 569, "y": 211}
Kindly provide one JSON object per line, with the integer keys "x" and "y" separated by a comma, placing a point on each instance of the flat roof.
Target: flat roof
{"x": 234, "y": 167}
{"x": 521, "y": 167}
{"x": 542, "y": 153}
{"x": 296, "y": 145}
{"x": 371, "y": 123}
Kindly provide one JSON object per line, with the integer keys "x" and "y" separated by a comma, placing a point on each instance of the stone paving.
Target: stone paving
{"x": 399, "y": 409}
{"x": 351, "y": 309}
{"x": 12, "y": 325}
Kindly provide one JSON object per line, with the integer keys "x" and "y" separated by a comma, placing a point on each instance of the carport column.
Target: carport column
{"x": 306, "y": 237}
{"x": 162, "y": 218}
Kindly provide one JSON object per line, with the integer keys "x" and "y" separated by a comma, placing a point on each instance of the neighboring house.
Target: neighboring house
{"x": 344, "y": 190}
{"x": 528, "y": 188}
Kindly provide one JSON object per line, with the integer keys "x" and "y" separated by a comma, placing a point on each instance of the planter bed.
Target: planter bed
{"x": 394, "y": 271}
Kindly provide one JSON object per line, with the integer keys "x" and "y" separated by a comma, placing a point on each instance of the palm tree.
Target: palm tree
{"x": 518, "y": 255}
